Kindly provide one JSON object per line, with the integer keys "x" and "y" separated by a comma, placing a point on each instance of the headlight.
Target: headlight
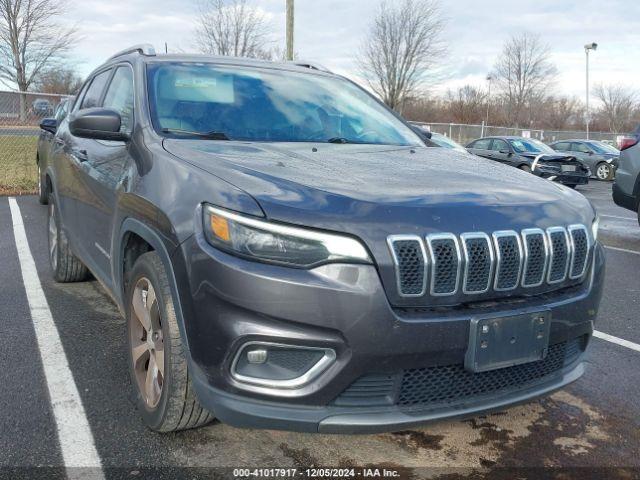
{"x": 278, "y": 243}
{"x": 594, "y": 227}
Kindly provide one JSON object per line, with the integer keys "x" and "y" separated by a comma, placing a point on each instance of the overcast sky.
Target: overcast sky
{"x": 331, "y": 32}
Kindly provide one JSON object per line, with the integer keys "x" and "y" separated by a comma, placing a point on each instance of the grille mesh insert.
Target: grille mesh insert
{"x": 478, "y": 267}
{"x": 445, "y": 266}
{"x": 508, "y": 274}
{"x": 580, "y": 246}
{"x": 451, "y": 383}
{"x": 535, "y": 260}
{"x": 560, "y": 256}
{"x": 410, "y": 266}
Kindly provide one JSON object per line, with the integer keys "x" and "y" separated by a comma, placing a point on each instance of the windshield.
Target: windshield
{"x": 531, "y": 145}
{"x": 267, "y": 105}
{"x": 446, "y": 142}
{"x": 603, "y": 148}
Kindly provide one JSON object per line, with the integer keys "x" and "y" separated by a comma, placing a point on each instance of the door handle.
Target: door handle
{"x": 80, "y": 155}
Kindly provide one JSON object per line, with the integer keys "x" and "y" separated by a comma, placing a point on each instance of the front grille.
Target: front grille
{"x": 447, "y": 385}
{"x": 477, "y": 263}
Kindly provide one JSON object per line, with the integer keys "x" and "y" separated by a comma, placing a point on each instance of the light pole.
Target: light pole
{"x": 589, "y": 46}
{"x": 290, "y": 16}
{"x": 489, "y": 79}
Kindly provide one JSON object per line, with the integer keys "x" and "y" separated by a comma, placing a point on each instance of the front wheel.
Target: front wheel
{"x": 157, "y": 357}
{"x": 525, "y": 168}
{"x": 604, "y": 171}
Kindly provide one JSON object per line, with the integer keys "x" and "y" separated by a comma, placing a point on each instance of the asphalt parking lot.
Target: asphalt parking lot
{"x": 593, "y": 423}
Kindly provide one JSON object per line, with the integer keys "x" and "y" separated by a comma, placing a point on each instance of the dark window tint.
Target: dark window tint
{"x": 119, "y": 97}
{"x": 78, "y": 100}
{"x": 482, "y": 144}
{"x": 499, "y": 145}
{"x": 93, "y": 95}
{"x": 62, "y": 110}
{"x": 562, "y": 146}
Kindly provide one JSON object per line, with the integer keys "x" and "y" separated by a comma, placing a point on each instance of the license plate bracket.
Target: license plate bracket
{"x": 499, "y": 342}
{"x": 568, "y": 168}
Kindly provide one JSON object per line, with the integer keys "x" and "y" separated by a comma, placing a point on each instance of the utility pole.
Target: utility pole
{"x": 589, "y": 46}
{"x": 290, "y": 25}
{"x": 489, "y": 79}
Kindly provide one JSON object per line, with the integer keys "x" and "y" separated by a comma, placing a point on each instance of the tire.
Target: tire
{"x": 65, "y": 265}
{"x": 43, "y": 191}
{"x": 604, "y": 171}
{"x": 161, "y": 383}
{"x": 525, "y": 168}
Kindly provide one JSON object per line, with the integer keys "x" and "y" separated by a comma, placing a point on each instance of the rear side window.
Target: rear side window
{"x": 562, "y": 146}
{"x": 482, "y": 144}
{"x": 119, "y": 97}
{"x": 94, "y": 93}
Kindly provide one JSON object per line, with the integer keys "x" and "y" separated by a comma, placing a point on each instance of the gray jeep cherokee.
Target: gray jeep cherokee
{"x": 289, "y": 254}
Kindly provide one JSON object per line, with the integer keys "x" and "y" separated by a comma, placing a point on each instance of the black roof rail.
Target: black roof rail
{"x": 143, "y": 49}
{"x": 311, "y": 65}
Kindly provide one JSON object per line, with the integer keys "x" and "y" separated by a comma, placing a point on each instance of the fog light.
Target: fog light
{"x": 257, "y": 356}
{"x": 280, "y": 366}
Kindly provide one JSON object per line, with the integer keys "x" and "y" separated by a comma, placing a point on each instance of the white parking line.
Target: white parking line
{"x": 618, "y": 249}
{"x": 618, "y": 341}
{"x": 633, "y": 219}
{"x": 79, "y": 453}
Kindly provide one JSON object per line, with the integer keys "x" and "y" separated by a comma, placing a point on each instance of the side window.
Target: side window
{"x": 580, "y": 147}
{"x": 94, "y": 93}
{"x": 499, "y": 145}
{"x": 119, "y": 97}
{"x": 562, "y": 146}
{"x": 482, "y": 144}
{"x": 78, "y": 100}
{"x": 62, "y": 110}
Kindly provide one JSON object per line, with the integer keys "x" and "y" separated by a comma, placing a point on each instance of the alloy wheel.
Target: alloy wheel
{"x": 53, "y": 237}
{"x": 147, "y": 345}
{"x": 603, "y": 171}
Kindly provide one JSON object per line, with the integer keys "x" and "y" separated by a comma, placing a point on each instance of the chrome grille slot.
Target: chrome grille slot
{"x": 445, "y": 261}
{"x": 478, "y": 262}
{"x": 508, "y": 260}
{"x": 579, "y": 250}
{"x": 559, "y": 252}
{"x": 535, "y": 257}
{"x": 410, "y": 261}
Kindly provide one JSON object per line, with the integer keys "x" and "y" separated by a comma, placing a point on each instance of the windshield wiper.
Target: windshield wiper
{"x": 339, "y": 140}
{"x": 213, "y": 135}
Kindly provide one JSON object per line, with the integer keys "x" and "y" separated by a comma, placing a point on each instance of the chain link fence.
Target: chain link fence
{"x": 20, "y": 116}
{"x": 463, "y": 133}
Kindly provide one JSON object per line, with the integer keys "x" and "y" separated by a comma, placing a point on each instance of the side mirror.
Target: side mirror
{"x": 505, "y": 152}
{"x": 49, "y": 125}
{"x": 97, "y": 123}
{"x": 421, "y": 132}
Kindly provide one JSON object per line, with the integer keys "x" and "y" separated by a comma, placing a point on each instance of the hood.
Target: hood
{"x": 374, "y": 191}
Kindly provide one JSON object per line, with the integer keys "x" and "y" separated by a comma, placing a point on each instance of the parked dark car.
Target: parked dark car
{"x": 532, "y": 156}
{"x": 48, "y": 127}
{"x": 289, "y": 254}
{"x": 626, "y": 188}
{"x": 41, "y": 107}
{"x": 602, "y": 159}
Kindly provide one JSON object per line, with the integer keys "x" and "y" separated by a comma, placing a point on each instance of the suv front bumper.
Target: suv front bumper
{"x": 232, "y": 301}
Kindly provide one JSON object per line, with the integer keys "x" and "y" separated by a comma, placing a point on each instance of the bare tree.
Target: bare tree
{"x": 524, "y": 74}
{"x": 618, "y": 105}
{"x": 31, "y": 39}
{"x": 62, "y": 80}
{"x": 233, "y": 28}
{"x": 401, "y": 49}
{"x": 467, "y": 104}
